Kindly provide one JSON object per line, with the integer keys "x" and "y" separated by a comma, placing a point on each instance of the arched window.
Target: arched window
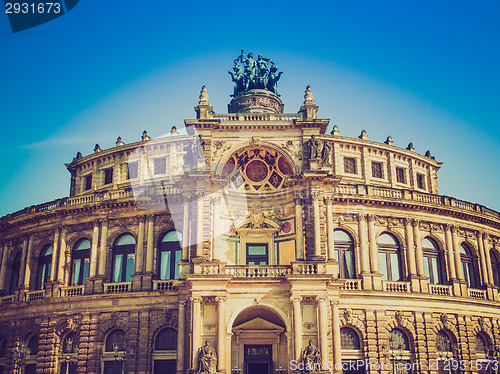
{"x": 495, "y": 266}
{"x": 445, "y": 354}
{"x": 432, "y": 261}
{"x": 123, "y": 258}
{"x": 481, "y": 345}
{"x": 31, "y": 355}
{"x": 14, "y": 275}
{"x": 165, "y": 354}
{"x": 115, "y": 341}
{"x": 349, "y": 339}
{"x": 44, "y": 267}
{"x": 114, "y": 352}
{"x": 80, "y": 262}
{"x": 400, "y": 352}
{"x": 351, "y": 350}
{"x": 389, "y": 257}
{"x": 169, "y": 254}
{"x": 344, "y": 254}
{"x": 68, "y": 352}
{"x": 469, "y": 266}
{"x": 166, "y": 339}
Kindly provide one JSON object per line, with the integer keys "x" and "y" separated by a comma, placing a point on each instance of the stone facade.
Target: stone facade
{"x": 232, "y": 248}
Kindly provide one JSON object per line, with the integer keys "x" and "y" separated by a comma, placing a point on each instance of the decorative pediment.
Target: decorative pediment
{"x": 258, "y": 324}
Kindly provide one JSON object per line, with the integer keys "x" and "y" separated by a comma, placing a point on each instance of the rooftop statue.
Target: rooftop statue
{"x": 256, "y": 74}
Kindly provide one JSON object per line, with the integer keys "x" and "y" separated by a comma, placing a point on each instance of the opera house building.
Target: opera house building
{"x": 251, "y": 242}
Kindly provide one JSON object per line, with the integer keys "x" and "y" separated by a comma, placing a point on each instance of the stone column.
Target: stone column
{"x": 221, "y": 333}
{"x": 185, "y": 229}
{"x": 299, "y": 230}
{"x": 491, "y": 279}
{"x": 62, "y": 257}
{"x": 482, "y": 255}
{"x": 3, "y": 269}
{"x": 418, "y": 248}
{"x": 297, "y": 327}
{"x": 55, "y": 253}
{"x": 181, "y": 331}
{"x": 22, "y": 268}
{"x": 139, "y": 257}
{"x": 373, "y": 244}
{"x": 456, "y": 250}
{"x": 317, "y": 227}
{"x": 196, "y": 331}
{"x": 103, "y": 248}
{"x": 199, "y": 224}
{"x": 216, "y": 255}
{"x": 323, "y": 327}
{"x": 28, "y": 263}
{"x": 449, "y": 249}
{"x": 93, "y": 251}
{"x": 330, "y": 229}
{"x": 410, "y": 248}
{"x": 363, "y": 249}
{"x": 149, "y": 245}
{"x": 337, "y": 351}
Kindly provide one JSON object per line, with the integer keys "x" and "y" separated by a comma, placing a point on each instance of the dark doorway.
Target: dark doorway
{"x": 30, "y": 369}
{"x": 165, "y": 367}
{"x": 258, "y": 368}
{"x": 113, "y": 367}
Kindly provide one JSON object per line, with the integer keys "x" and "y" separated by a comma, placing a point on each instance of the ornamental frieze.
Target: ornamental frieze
{"x": 344, "y": 218}
{"x": 80, "y": 227}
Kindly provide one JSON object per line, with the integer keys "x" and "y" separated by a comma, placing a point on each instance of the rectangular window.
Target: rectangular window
{"x": 349, "y": 165}
{"x": 108, "y": 176}
{"x": 421, "y": 181}
{"x": 88, "y": 182}
{"x": 382, "y": 259}
{"x": 377, "y": 171}
{"x": 257, "y": 254}
{"x": 160, "y": 165}
{"x": 400, "y": 175}
{"x": 132, "y": 170}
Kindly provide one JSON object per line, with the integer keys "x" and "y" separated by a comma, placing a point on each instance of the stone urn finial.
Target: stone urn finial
{"x": 203, "y": 96}
{"x": 308, "y": 97}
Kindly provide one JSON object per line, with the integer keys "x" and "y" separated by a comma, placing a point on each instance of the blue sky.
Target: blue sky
{"x": 423, "y": 71}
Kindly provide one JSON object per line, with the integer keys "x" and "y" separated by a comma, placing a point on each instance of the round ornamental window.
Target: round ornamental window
{"x": 228, "y": 167}
{"x": 256, "y": 171}
{"x": 286, "y": 227}
{"x": 284, "y": 166}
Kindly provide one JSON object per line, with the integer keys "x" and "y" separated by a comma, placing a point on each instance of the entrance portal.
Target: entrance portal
{"x": 258, "y": 368}
{"x": 259, "y": 344}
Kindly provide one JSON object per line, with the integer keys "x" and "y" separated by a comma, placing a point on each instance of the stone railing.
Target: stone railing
{"x": 241, "y": 117}
{"x": 164, "y": 285}
{"x": 390, "y": 286}
{"x": 117, "y": 287}
{"x": 440, "y": 289}
{"x": 340, "y": 191}
{"x": 34, "y": 295}
{"x": 71, "y": 291}
{"x": 476, "y": 294}
{"x": 351, "y": 284}
{"x": 257, "y": 271}
{"x": 6, "y": 300}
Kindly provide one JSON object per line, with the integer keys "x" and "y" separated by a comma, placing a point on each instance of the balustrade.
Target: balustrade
{"x": 396, "y": 286}
{"x": 34, "y": 295}
{"x": 440, "y": 289}
{"x": 71, "y": 291}
{"x": 164, "y": 285}
{"x": 476, "y": 294}
{"x": 351, "y": 284}
{"x": 6, "y": 300}
{"x": 117, "y": 287}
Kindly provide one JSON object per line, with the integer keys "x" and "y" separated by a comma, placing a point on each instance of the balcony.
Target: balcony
{"x": 34, "y": 295}
{"x": 117, "y": 287}
{"x": 72, "y": 291}
{"x": 401, "y": 287}
{"x": 440, "y": 289}
{"x": 476, "y": 294}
